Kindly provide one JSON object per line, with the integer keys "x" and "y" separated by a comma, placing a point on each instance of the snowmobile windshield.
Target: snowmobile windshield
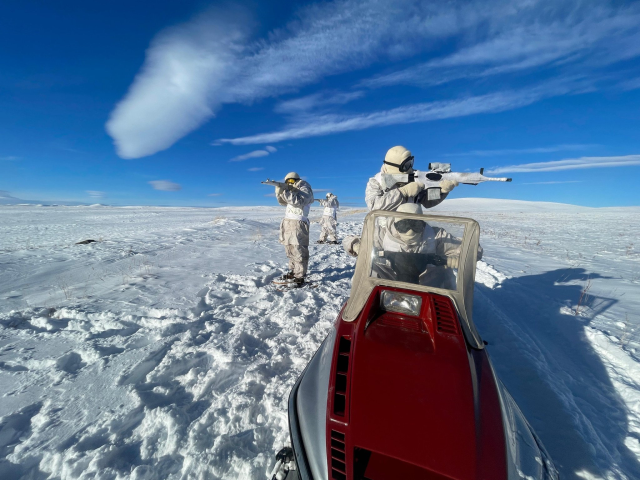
{"x": 426, "y": 253}
{"x": 414, "y": 251}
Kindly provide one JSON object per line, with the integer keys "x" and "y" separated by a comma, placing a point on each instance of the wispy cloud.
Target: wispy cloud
{"x": 246, "y": 156}
{"x": 214, "y": 194}
{"x": 165, "y": 185}
{"x": 313, "y": 126}
{"x": 182, "y": 83}
{"x": 543, "y": 35}
{"x": 96, "y": 193}
{"x": 192, "y": 70}
{"x": 520, "y": 151}
{"x": 316, "y": 101}
{"x": 571, "y": 164}
{"x": 552, "y": 183}
{"x": 255, "y": 169}
{"x": 6, "y": 195}
{"x": 10, "y": 158}
{"x": 254, "y": 154}
{"x": 631, "y": 84}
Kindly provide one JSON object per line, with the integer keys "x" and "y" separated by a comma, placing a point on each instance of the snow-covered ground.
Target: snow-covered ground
{"x": 162, "y": 351}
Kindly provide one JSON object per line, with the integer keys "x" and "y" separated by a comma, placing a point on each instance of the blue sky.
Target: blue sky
{"x": 193, "y": 103}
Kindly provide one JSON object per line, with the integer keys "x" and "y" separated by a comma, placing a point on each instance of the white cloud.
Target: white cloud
{"x": 165, "y": 185}
{"x": 520, "y": 151}
{"x": 271, "y": 149}
{"x": 313, "y": 126}
{"x": 214, "y": 194}
{"x": 255, "y": 169}
{"x": 9, "y": 158}
{"x": 553, "y": 183}
{"x": 246, "y": 156}
{"x": 317, "y": 100}
{"x": 631, "y": 84}
{"x": 95, "y": 193}
{"x": 191, "y": 70}
{"x": 543, "y": 35}
{"x": 570, "y": 164}
{"x": 180, "y": 86}
{"x": 5, "y": 195}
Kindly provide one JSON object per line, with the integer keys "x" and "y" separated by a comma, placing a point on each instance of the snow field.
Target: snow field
{"x": 136, "y": 380}
{"x": 162, "y": 350}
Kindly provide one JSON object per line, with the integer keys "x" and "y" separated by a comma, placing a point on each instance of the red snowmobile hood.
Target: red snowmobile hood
{"x": 414, "y": 400}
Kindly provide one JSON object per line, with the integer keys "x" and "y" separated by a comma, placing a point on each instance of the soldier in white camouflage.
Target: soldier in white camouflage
{"x": 297, "y": 196}
{"x": 399, "y": 160}
{"x": 329, "y": 220}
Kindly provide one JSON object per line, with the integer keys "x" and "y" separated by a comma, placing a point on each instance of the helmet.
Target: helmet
{"x": 329, "y": 194}
{"x": 398, "y": 160}
{"x": 291, "y": 178}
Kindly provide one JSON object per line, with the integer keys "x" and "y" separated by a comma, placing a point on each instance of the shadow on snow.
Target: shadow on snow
{"x": 551, "y": 369}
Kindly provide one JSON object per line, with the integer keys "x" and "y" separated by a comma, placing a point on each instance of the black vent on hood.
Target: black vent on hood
{"x": 338, "y": 456}
{"x": 446, "y": 318}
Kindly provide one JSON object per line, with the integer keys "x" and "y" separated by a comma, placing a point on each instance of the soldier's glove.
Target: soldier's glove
{"x": 447, "y": 185}
{"x": 351, "y": 245}
{"x": 411, "y": 189}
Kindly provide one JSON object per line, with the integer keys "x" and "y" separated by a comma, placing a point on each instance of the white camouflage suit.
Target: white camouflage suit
{"x": 294, "y": 229}
{"x": 329, "y": 222}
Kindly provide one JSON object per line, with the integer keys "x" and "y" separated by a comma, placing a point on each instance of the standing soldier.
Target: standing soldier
{"x": 297, "y": 196}
{"x": 399, "y": 160}
{"x": 329, "y": 221}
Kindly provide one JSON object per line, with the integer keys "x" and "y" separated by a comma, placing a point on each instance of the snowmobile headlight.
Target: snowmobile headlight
{"x": 400, "y": 303}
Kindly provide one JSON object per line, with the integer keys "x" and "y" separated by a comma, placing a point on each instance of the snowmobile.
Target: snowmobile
{"x": 403, "y": 387}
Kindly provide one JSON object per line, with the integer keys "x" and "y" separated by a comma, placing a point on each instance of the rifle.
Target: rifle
{"x": 431, "y": 179}
{"x": 275, "y": 184}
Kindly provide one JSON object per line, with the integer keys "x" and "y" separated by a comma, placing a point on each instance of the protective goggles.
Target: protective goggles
{"x": 403, "y": 226}
{"x": 290, "y": 181}
{"x": 405, "y": 166}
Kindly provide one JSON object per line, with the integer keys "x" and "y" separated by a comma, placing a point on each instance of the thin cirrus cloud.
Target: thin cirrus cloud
{"x": 96, "y": 194}
{"x": 246, "y": 156}
{"x": 569, "y": 37}
{"x": 254, "y": 154}
{"x": 192, "y": 70}
{"x": 570, "y": 164}
{"x": 317, "y": 100}
{"x": 165, "y": 185}
{"x": 9, "y": 158}
{"x": 327, "y": 124}
{"x": 553, "y": 183}
{"x": 520, "y": 151}
{"x": 214, "y": 194}
{"x": 255, "y": 169}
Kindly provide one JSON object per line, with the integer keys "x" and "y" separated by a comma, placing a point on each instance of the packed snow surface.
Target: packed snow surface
{"x": 161, "y": 350}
